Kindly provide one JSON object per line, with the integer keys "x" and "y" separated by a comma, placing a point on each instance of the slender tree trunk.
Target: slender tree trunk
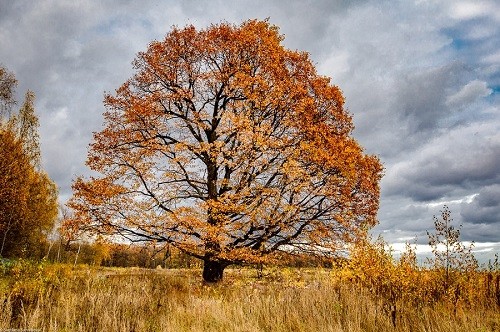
{"x": 3, "y": 243}
{"x": 77, "y": 253}
{"x": 59, "y": 251}
{"x": 7, "y": 229}
{"x": 213, "y": 270}
{"x": 50, "y": 247}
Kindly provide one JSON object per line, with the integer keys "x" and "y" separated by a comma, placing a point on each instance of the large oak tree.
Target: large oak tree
{"x": 230, "y": 147}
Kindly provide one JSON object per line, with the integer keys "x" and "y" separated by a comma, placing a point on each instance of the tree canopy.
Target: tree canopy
{"x": 230, "y": 147}
{"x": 28, "y": 197}
{"x": 8, "y": 83}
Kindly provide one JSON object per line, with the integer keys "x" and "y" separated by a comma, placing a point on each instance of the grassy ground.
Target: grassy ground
{"x": 62, "y": 298}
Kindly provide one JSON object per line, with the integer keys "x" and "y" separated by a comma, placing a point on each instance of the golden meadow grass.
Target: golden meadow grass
{"x": 63, "y": 298}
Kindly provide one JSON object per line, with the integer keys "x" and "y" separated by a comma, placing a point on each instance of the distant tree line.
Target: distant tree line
{"x": 99, "y": 253}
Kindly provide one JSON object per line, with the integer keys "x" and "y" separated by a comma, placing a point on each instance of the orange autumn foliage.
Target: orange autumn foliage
{"x": 451, "y": 280}
{"x": 230, "y": 147}
{"x": 28, "y": 197}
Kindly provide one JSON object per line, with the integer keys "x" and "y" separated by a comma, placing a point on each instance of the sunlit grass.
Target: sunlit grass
{"x": 63, "y": 298}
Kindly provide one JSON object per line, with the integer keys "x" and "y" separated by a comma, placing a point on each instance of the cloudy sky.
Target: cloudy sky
{"x": 421, "y": 78}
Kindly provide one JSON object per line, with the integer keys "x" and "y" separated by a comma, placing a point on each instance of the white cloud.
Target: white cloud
{"x": 466, "y": 10}
{"x": 336, "y": 65}
{"x": 441, "y": 203}
{"x": 492, "y": 58}
{"x": 469, "y": 93}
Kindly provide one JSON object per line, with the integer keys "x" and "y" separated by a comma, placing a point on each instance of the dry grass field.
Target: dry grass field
{"x": 50, "y": 297}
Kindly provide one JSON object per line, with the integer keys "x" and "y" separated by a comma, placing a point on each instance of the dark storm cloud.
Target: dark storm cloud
{"x": 459, "y": 160}
{"x": 485, "y": 208}
{"x": 422, "y": 97}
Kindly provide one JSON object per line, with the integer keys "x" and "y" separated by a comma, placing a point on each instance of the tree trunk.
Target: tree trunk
{"x": 212, "y": 270}
{"x": 77, "y": 253}
{"x": 7, "y": 229}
